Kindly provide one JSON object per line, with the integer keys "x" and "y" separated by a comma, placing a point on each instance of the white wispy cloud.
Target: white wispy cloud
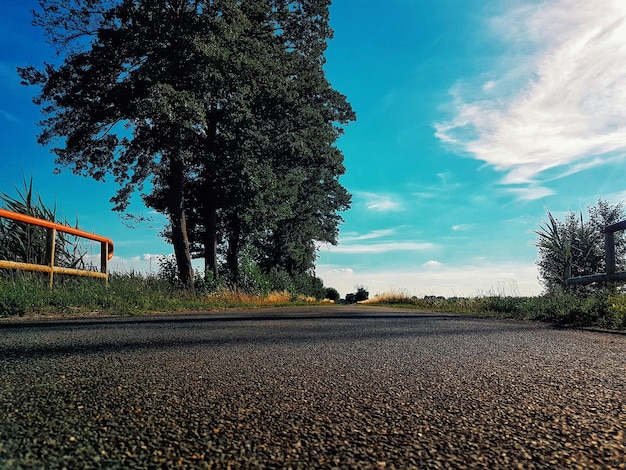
{"x": 375, "y": 248}
{"x": 562, "y": 107}
{"x": 380, "y": 202}
{"x": 9, "y": 117}
{"x": 529, "y": 193}
{"x": 432, "y": 263}
{"x": 446, "y": 186}
{"x": 374, "y": 234}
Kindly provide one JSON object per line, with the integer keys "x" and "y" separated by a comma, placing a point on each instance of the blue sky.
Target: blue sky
{"x": 473, "y": 117}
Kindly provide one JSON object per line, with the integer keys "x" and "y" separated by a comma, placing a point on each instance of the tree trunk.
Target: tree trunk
{"x": 209, "y": 208}
{"x": 176, "y": 208}
{"x": 209, "y": 213}
{"x": 232, "y": 257}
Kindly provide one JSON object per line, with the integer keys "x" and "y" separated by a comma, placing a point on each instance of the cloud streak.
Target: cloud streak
{"x": 368, "y": 236}
{"x": 568, "y": 113}
{"x": 8, "y": 116}
{"x": 380, "y": 202}
{"x": 374, "y": 248}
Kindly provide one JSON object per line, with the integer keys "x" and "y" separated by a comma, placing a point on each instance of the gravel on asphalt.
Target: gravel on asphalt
{"x": 346, "y": 387}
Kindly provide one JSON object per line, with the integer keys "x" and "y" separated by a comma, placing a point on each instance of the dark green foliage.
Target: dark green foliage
{"x": 308, "y": 285}
{"x": 502, "y": 304}
{"x": 604, "y": 308}
{"x": 575, "y": 247}
{"x": 332, "y": 294}
{"x": 361, "y": 294}
{"x": 222, "y": 106}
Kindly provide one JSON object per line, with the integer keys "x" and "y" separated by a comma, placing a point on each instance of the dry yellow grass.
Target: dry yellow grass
{"x": 278, "y": 297}
{"x": 242, "y": 298}
{"x": 393, "y": 296}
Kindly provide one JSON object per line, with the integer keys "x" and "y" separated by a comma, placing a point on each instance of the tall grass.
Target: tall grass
{"x": 27, "y": 243}
{"x": 131, "y": 293}
{"x": 605, "y": 308}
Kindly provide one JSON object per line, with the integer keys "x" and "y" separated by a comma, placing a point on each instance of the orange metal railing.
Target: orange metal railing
{"x": 106, "y": 249}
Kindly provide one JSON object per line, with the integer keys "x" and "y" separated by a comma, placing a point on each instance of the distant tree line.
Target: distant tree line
{"x": 217, "y": 111}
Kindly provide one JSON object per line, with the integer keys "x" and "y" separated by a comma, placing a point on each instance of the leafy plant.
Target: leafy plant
{"x": 361, "y": 294}
{"x": 332, "y": 294}
{"x": 575, "y": 247}
{"x": 28, "y": 243}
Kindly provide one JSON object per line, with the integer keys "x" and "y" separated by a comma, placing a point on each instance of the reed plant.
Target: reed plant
{"x": 27, "y": 243}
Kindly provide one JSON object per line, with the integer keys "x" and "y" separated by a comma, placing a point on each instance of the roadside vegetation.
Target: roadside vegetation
{"x": 564, "y": 248}
{"x": 570, "y": 248}
{"x": 27, "y": 293}
{"x": 127, "y": 294}
{"x": 605, "y": 308}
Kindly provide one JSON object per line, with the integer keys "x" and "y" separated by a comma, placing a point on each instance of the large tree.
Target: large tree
{"x": 212, "y": 102}
{"x": 122, "y": 101}
{"x": 268, "y": 151}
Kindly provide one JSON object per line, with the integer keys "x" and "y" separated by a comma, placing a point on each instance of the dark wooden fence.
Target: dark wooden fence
{"x": 609, "y": 256}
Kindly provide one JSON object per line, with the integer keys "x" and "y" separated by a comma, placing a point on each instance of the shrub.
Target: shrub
{"x": 616, "y": 314}
{"x": 332, "y": 294}
{"x": 575, "y": 247}
{"x": 361, "y": 294}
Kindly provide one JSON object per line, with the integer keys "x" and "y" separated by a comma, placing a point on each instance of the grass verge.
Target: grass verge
{"x": 604, "y": 309}
{"x": 128, "y": 294}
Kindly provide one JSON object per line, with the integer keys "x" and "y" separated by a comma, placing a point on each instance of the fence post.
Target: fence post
{"x": 51, "y": 247}
{"x": 609, "y": 254}
{"x": 104, "y": 259}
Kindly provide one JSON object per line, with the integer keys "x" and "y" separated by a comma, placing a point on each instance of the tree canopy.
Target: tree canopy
{"x": 222, "y": 106}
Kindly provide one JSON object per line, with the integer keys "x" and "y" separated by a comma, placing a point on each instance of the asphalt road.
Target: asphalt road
{"x": 347, "y": 387}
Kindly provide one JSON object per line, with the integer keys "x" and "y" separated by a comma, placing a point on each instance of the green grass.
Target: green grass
{"x": 131, "y": 294}
{"x": 603, "y": 309}
{"x": 128, "y": 294}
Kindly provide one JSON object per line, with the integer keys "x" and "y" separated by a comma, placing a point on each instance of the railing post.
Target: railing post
{"x": 104, "y": 259}
{"x": 51, "y": 247}
{"x": 48, "y": 266}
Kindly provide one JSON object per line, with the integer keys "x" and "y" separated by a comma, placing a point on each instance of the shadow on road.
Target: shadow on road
{"x": 231, "y": 330}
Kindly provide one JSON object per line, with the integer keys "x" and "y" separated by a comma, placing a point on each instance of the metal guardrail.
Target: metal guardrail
{"x": 609, "y": 257}
{"x": 106, "y": 249}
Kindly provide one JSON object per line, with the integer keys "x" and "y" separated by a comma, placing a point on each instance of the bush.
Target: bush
{"x": 604, "y": 308}
{"x": 361, "y": 294}
{"x": 332, "y": 294}
{"x": 308, "y": 285}
{"x": 616, "y": 314}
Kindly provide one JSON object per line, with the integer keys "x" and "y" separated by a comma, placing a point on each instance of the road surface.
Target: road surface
{"x": 340, "y": 387}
